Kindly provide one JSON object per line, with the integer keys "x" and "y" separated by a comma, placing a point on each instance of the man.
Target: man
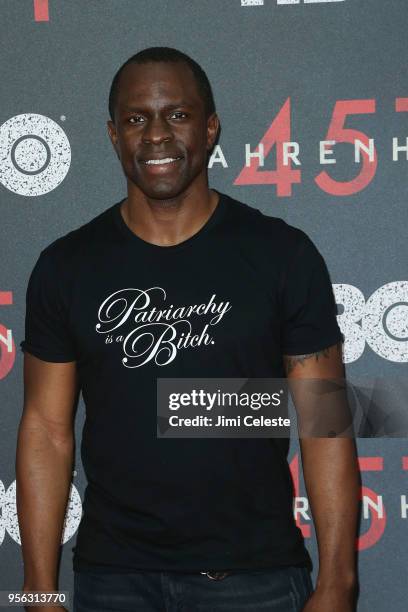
{"x": 178, "y": 524}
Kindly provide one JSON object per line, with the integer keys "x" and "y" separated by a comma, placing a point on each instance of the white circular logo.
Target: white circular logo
{"x": 382, "y": 321}
{"x": 35, "y": 154}
{"x": 9, "y": 517}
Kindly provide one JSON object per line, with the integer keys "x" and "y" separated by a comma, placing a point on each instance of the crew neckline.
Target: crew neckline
{"x": 213, "y": 220}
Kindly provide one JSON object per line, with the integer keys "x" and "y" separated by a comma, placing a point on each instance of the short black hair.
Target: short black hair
{"x": 165, "y": 54}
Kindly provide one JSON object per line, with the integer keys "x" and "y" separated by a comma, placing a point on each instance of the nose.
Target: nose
{"x": 156, "y": 131}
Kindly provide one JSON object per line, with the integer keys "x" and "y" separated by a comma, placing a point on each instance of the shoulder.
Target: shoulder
{"x": 85, "y": 239}
{"x": 59, "y": 263}
{"x": 249, "y": 221}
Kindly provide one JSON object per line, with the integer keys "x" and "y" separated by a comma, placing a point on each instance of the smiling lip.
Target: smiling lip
{"x": 159, "y": 161}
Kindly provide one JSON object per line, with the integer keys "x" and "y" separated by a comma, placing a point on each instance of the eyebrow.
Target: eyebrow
{"x": 167, "y": 107}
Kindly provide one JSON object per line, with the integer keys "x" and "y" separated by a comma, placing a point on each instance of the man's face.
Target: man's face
{"x": 161, "y": 133}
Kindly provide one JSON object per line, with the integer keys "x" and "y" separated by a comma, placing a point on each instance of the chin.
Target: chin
{"x": 161, "y": 190}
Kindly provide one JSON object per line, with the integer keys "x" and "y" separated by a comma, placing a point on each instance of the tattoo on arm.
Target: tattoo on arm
{"x": 290, "y": 361}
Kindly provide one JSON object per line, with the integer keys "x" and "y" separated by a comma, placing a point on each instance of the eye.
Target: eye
{"x": 179, "y": 115}
{"x": 135, "y": 117}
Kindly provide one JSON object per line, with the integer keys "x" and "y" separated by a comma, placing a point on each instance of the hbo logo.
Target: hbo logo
{"x": 382, "y": 321}
{"x": 9, "y": 518}
{"x": 35, "y": 154}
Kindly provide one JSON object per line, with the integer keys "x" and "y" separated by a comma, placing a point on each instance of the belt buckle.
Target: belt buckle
{"x": 216, "y": 575}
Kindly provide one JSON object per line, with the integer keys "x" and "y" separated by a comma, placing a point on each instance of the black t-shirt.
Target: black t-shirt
{"x": 252, "y": 288}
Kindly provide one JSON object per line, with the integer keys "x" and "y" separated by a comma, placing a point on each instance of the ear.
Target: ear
{"x": 213, "y": 126}
{"x": 113, "y": 136}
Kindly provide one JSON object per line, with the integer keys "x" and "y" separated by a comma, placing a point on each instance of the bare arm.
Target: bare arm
{"x": 44, "y": 463}
{"x": 332, "y": 482}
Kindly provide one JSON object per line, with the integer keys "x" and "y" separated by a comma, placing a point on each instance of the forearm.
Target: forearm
{"x": 44, "y": 472}
{"x": 332, "y": 482}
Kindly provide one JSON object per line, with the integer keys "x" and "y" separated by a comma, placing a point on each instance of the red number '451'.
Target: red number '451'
{"x": 283, "y": 176}
{"x": 41, "y": 10}
{"x": 377, "y": 527}
{"x": 7, "y": 348}
{"x": 339, "y": 133}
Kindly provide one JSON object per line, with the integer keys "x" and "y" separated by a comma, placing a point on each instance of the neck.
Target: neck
{"x": 169, "y": 221}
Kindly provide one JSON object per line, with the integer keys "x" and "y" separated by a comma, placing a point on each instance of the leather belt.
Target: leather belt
{"x": 216, "y": 575}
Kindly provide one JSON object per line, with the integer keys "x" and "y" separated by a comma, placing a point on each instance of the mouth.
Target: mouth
{"x": 160, "y": 162}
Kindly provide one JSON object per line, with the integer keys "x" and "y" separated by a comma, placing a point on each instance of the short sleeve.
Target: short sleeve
{"x": 309, "y": 320}
{"x": 47, "y": 334}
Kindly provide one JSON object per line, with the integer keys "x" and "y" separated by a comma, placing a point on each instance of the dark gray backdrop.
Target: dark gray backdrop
{"x": 57, "y": 61}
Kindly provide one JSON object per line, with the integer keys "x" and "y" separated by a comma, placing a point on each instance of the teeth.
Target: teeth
{"x": 166, "y": 160}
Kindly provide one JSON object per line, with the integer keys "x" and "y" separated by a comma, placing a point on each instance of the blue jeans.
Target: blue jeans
{"x": 268, "y": 590}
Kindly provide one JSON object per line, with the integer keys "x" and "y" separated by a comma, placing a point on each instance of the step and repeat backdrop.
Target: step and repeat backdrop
{"x": 313, "y": 101}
